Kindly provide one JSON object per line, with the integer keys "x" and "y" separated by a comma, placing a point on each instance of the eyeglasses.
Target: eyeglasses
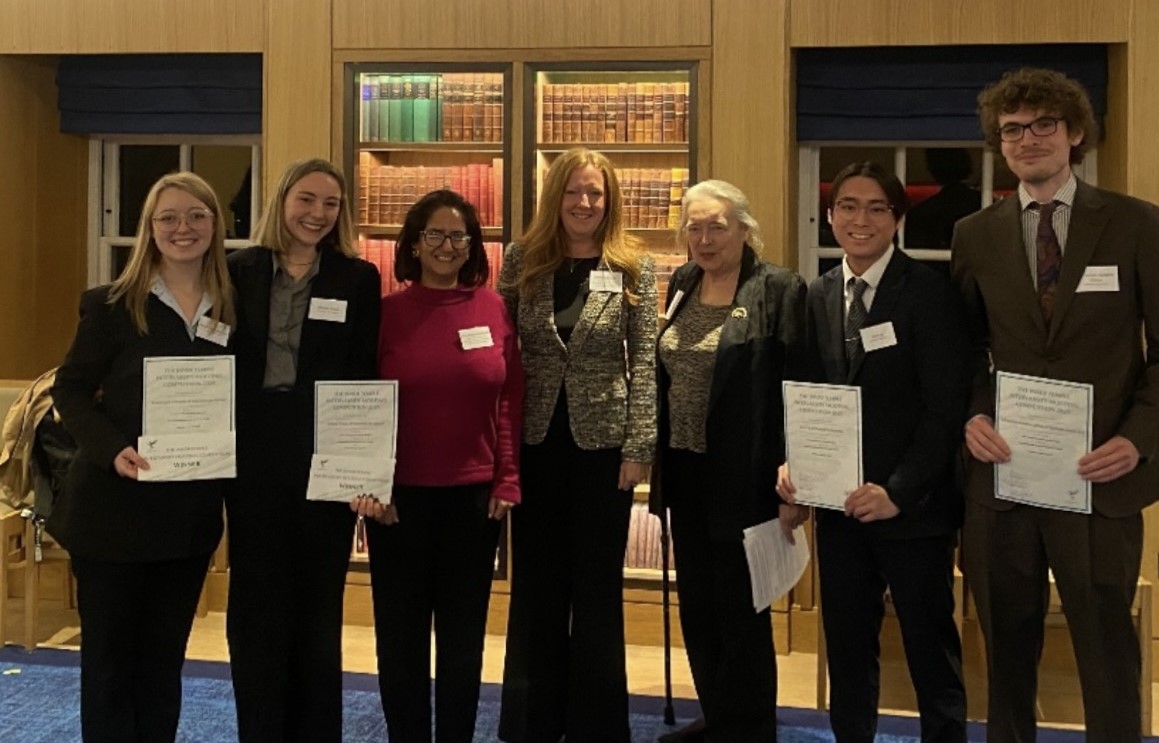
{"x": 197, "y": 219}
{"x": 1042, "y": 127}
{"x": 435, "y": 239}
{"x": 848, "y": 208}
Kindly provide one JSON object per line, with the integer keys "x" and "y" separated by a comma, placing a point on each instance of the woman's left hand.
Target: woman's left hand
{"x": 632, "y": 474}
{"x": 498, "y": 508}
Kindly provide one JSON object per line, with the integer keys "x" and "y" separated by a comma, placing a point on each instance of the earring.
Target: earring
{"x": 414, "y": 252}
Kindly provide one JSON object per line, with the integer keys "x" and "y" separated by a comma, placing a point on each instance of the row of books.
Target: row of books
{"x": 644, "y": 542}
{"x": 615, "y": 112}
{"x": 381, "y": 254}
{"x": 386, "y": 192}
{"x": 459, "y": 107}
{"x": 652, "y": 196}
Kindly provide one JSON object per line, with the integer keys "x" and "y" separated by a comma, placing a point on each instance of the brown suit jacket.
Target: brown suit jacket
{"x": 1093, "y": 337}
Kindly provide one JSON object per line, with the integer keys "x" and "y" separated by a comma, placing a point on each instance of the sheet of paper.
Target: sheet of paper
{"x": 338, "y": 478}
{"x": 823, "y": 441}
{"x": 190, "y": 456}
{"x": 1047, "y": 424}
{"x": 355, "y": 430}
{"x": 356, "y": 418}
{"x": 188, "y": 394}
{"x": 775, "y": 565}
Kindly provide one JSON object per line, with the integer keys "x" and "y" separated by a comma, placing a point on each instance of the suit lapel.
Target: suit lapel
{"x": 542, "y": 311}
{"x": 748, "y": 305}
{"x": 833, "y": 346}
{"x": 594, "y": 306}
{"x": 1086, "y": 226}
{"x": 326, "y": 285}
{"x": 256, "y": 295}
{"x": 1009, "y": 249}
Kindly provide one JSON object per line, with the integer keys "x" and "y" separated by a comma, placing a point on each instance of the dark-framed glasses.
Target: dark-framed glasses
{"x": 848, "y": 208}
{"x": 1043, "y": 126}
{"x": 197, "y": 219}
{"x": 435, "y": 239}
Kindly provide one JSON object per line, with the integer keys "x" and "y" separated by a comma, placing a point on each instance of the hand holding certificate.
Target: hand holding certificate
{"x": 1047, "y": 424}
{"x": 355, "y": 429}
{"x": 823, "y": 442}
{"x": 187, "y": 427}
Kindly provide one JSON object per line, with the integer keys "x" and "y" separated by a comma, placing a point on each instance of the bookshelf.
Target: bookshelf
{"x": 415, "y": 128}
{"x": 642, "y": 115}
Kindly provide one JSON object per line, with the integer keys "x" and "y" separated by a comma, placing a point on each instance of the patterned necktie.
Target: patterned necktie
{"x": 1049, "y": 258}
{"x": 854, "y": 320}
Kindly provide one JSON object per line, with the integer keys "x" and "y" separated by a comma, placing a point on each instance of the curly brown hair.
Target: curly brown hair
{"x": 1045, "y": 90}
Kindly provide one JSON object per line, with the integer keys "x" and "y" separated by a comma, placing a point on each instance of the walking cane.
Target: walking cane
{"x": 669, "y": 712}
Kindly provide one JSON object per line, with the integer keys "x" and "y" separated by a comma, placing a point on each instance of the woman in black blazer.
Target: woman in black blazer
{"x": 140, "y": 549}
{"x": 308, "y": 310}
{"x": 734, "y": 330}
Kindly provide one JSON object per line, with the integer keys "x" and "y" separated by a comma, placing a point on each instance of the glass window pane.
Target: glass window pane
{"x": 141, "y": 166}
{"x": 942, "y": 183}
{"x": 227, "y": 170}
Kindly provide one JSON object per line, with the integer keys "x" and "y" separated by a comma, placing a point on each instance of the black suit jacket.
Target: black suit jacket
{"x": 913, "y": 394}
{"x": 327, "y": 350}
{"x": 98, "y": 392}
{"x": 761, "y": 344}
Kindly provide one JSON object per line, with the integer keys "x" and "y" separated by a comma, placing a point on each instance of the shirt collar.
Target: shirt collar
{"x": 872, "y": 274}
{"x": 161, "y": 290}
{"x": 1065, "y": 194}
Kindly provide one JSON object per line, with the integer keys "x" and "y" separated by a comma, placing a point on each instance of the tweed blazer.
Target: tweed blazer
{"x": 607, "y": 367}
{"x": 1093, "y": 336}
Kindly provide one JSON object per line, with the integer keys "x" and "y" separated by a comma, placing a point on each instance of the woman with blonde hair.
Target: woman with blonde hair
{"x": 583, "y": 297}
{"x": 308, "y": 310}
{"x": 140, "y": 550}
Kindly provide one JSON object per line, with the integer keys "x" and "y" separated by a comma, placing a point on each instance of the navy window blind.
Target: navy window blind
{"x": 922, "y": 93}
{"x": 160, "y": 94}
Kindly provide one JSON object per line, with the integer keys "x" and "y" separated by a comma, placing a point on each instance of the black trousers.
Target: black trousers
{"x": 729, "y": 646}
{"x": 564, "y": 672}
{"x": 135, "y": 620}
{"x": 437, "y": 561}
{"x": 855, "y": 569}
{"x": 1095, "y": 561}
{"x": 288, "y": 562}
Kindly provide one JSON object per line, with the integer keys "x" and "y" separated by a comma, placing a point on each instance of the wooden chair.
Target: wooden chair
{"x": 19, "y": 553}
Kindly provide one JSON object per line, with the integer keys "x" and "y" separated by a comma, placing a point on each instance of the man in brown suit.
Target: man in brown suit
{"x": 1036, "y": 308}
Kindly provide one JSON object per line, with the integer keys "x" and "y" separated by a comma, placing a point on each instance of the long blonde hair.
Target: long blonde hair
{"x": 270, "y": 231}
{"x": 545, "y": 242}
{"x": 136, "y": 282}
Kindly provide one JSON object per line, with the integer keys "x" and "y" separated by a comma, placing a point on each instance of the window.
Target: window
{"x": 957, "y": 173}
{"x": 122, "y": 170}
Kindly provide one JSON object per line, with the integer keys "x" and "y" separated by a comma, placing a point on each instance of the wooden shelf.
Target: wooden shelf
{"x": 394, "y": 229}
{"x": 491, "y": 148}
{"x": 657, "y": 147}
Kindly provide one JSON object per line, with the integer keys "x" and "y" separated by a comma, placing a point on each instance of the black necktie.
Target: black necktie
{"x": 854, "y": 321}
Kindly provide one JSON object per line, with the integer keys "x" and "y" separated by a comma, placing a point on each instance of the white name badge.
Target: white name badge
{"x": 214, "y": 332}
{"x": 328, "y": 310}
{"x": 606, "y": 281}
{"x": 679, "y": 295}
{"x": 473, "y": 338}
{"x": 876, "y": 337}
{"x": 1099, "y": 279}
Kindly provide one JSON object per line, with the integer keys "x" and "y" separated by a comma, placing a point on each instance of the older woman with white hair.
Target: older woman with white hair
{"x": 735, "y": 327}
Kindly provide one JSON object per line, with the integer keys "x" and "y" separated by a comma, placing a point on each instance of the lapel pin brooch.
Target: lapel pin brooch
{"x": 740, "y": 312}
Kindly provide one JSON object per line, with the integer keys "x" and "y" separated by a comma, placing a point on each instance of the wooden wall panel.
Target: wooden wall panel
{"x": 751, "y": 122}
{"x": 820, "y": 23}
{"x": 43, "y": 245}
{"x": 130, "y": 26}
{"x": 514, "y": 24}
{"x": 296, "y": 106}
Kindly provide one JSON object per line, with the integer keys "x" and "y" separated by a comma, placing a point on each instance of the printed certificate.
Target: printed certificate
{"x": 188, "y": 418}
{"x": 355, "y": 430}
{"x": 823, "y": 442}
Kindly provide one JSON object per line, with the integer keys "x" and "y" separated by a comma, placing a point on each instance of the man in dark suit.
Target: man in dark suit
{"x": 1065, "y": 297}
{"x": 893, "y": 327}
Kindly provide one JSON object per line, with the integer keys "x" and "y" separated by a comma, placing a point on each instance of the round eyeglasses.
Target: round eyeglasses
{"x": 197, "y": 219}
{"x": 1040, "y": 127}
{"x": 435, "y": 239}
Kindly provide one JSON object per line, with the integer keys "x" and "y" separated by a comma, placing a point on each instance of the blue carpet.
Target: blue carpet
{"x": 40, "y": 703}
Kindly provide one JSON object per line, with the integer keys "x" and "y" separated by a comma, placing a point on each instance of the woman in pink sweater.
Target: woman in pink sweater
{"x": 448, "y": 341}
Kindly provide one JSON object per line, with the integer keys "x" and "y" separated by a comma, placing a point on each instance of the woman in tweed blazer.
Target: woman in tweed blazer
{"x": 583, "y": 298}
